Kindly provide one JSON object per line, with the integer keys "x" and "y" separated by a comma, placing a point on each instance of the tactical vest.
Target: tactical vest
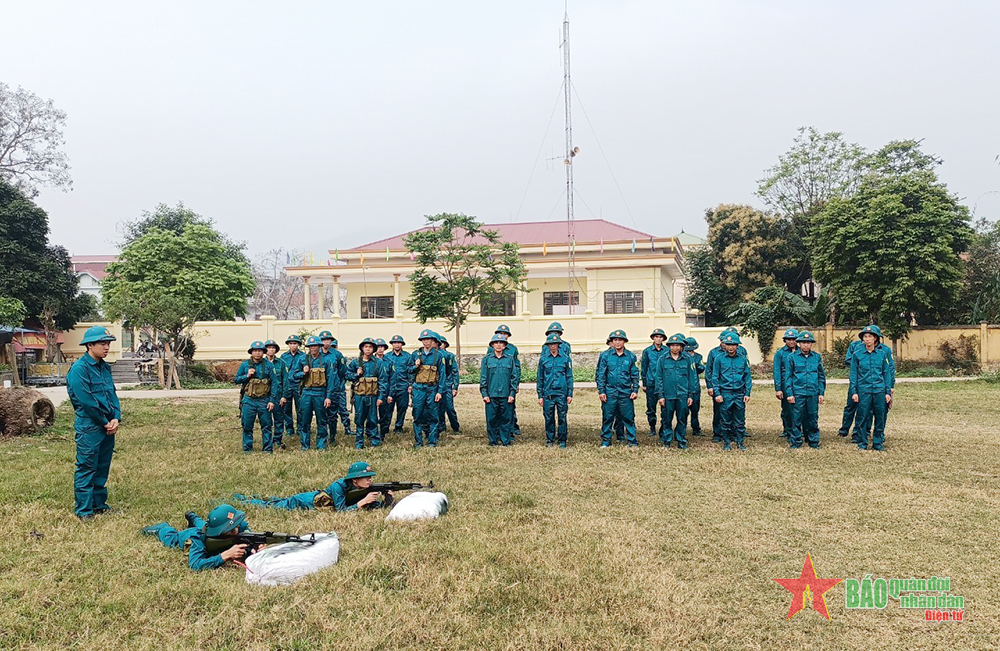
{"x": 366, "y": 386}
{"x": 426, "y": 374}
{"x": 257, "y": 388}
{"x": 315, "y": 378}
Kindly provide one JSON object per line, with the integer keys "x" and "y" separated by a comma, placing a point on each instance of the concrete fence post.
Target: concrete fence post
{"x": 984, "y": 347}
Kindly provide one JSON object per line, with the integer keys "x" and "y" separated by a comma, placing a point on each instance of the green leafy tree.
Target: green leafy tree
{"x": 460, "y": 265}
{"x": 704, "y": 291}
{"x": 767, "y": 308}
{"x": 980, "y": 296}
{"x": 754, "y": 248}
{"x": 35, "y": 272}
{"x": 175, "y": 219}
{"x": 12, "y": 312}
{"x": 891, "y": 252}
{"x": 165, "y": 281}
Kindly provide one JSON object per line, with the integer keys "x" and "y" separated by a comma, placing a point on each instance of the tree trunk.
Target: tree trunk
{"x": 458, "y": 344}
{"x": 24, "y": 411}
{"x": 49, "y": 325}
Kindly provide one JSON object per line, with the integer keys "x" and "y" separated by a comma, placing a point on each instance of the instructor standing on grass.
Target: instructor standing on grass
{"x": 92, "y": 392}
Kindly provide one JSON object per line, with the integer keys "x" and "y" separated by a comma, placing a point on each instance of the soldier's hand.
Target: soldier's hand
{"x": 633, "y": 396}
{"x": 888, "y": 399}
{"x": 327, "y": 403}
{"x": 718, "y": 398}
{"x": 416, "y": 362}
{"x": 662, "y": 402}
{"x": 409, "y": 390}
{"x": 746, "y": 399}
{"x": 510, "y": 400}
{"x": 361, "y": 372}
{"x": 378, "y": 403}
{"x": 603, "y": 397}
{"x": 855, "y": 398}
{"x": 541, "y": 402}
{"x": 486, "y": 399}
{"x": 779, "y": 394}
{"x": 389, "y": 400}
{"x": 282, "y": 402}
{"x": 791, "y": 400}
{"x": 690, "y": 401}
{"x": 454, "y": 393}
{"x": 642, "y": 386}
{"x": 367, "y": 499}
{"x": 822, "y": 400}
{"x": 270, "y": 406}
{"x": 112, "y": 427}
{"x": 305, "y": 369}
{"x": 711, "y": 392}
{"x": 437, "y": 397}
{"x": 569, "y": 400}
{"x": 251, "y": 372}
{"x": 234, "y": 553}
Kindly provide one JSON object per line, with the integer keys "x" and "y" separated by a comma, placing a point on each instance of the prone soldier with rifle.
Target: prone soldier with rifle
{"x": 352, "y": 492}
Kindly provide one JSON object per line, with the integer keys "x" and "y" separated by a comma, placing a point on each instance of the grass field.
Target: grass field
{"x": 543, "y": 548}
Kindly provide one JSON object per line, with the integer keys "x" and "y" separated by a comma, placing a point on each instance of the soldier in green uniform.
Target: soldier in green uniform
{"x": 98, "y": 412}
{"x": 338, "y": 403}
{"x": 691, "y": 349}
{"x": 555, "y": 328}
{"x": 554, "y": 385}
{"x": 863, "y": 428}
{"x": 872, "y": 375}
{"x": 511, "y": 350}
{"x": 291, "y": 390}
{"x": 675, "y": 383}
{"x": 359, "y": 475}
{"x": 317, "y": 381}
{"x": 446, "y": 408}
{"x": 780, "y": 355}
{"x": 371, "y": 385}
{"x": 650, "y": 355}
{"x": 428, "y": 383}
{"x": 281, "y": 374}
{"x": 499, "y": 378}
{"x": 731, "y": 384}
{"x": 258, "y": 394}
{"x": 223, "y": 520}
{"x": 803, "y": 386}
{"x": 398, "y": 400}
{"x": 714, "y": 354}
{"x": 618, "y": 386}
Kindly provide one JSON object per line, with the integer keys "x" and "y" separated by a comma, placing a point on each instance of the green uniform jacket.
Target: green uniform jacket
{"x": 647, "y": 364}
{"x": 499, "y": 377}
{"x": 617, "y": 374}
{"x": 339, "y": 364}
{"x": 731, "y": 374}
{"x": 451, "y": 370}
{"x": 289, "y": 360}
{"x": 263, "y": 370}
{"x": 338, "y": 492}
{"x": 92, "y": 392}
{"x": 803, "y": 375}
{"x": 198, "y": 558}
{"x": 555, "y": 375}
{"x": 778, "y": 369}
{"x": 713, "y": 355}
{"x": 871, "y": 372}
{"x": 675, "y": 378}
{"x": 280, "y": 372}
{"x": 399, "y": 372}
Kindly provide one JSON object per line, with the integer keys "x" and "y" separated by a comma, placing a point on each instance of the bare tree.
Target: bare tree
{"x": 31, "y": 141}
{"x": 277, "y": 294}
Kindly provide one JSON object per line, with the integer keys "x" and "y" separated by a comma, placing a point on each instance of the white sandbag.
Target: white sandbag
{"x": 422, "y": 505}
{"x": 286, "y": 563}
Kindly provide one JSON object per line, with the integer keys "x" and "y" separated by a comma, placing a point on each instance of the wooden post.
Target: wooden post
{"x": 984, "y": 347}
{"x": 13, "y": 364}
{"x": 159, "y": 372}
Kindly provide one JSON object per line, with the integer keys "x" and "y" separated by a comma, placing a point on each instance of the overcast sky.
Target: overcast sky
{"x": 315, "y": 125}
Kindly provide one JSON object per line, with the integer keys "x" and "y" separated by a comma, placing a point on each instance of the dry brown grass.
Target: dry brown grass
{"x": 543, "y": 548}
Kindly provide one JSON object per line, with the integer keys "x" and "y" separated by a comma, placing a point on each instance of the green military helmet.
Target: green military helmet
{"x": 223, "y": 519}
{"x": 658, "y": 331}
{"x": 325, "y": 334}
{"x": 677, "y": 338}
{"x": 367, "y": 340}
{"x": 726, "y": 331}
{"x": 397, "y": 339}
{"x": 333, "y": 344}
{"x": 791, "y": 333}
{"x": 730, "y": 338}
{"x": 496, "y": 338}
{"x": 608, "y": 342}
{"x": 502, "y": 329}
{"x": 293, "y": 338}
{"x": 358, "y": 470}
{"x": 257, "y": 345}
{"x": 380, "y": 343}
{"x": 618, "y": 334}
{"x": 443, "y": 341}
{"x": 313, "y": 341}
{"x": 553, "y": 339}
{"x": 97, "y": 334}
{"x": 803, "y": 335}
{"x": 428, "y": 334}
{"x": 691, "y": 343}
{"x": 555, "y": 327}
{"x": 272, "y": 342}
{"x": 870, "y": 330}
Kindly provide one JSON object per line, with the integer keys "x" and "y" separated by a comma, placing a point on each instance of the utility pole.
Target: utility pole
{"x": 571, "y": 152}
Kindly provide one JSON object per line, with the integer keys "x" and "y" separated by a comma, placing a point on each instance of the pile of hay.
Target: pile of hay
{"x": 24, "y": 411}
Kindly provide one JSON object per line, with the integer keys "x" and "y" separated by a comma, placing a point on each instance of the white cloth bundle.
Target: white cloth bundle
{"x": 286, "y": 563}
{"x": 422, "y": 505}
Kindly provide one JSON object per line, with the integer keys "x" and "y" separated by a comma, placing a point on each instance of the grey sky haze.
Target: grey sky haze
{"x": 316, "y": 125}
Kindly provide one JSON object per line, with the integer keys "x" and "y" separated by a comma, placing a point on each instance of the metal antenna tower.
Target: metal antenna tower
{"x": 571, "y": 152}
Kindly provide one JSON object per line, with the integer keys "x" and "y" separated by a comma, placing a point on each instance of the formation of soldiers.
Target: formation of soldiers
{"x": 386, "y": 380}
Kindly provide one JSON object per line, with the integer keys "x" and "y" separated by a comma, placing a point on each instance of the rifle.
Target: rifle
{"x": 354, "y": 495}
{"x": 217, "y": 544}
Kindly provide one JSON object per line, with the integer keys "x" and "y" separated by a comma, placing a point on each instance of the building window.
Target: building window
{"x": 501, "y": 304}
{"x": 558, "y": 298}
{"x": 376, "y": 307}
{"x": 622, "y": 302}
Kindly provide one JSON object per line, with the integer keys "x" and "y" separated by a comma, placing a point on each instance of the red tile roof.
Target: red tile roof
{"x": 528, "y": 233}
{"x": 95, "y": 265}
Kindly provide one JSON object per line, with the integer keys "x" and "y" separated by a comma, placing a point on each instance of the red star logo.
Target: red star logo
{"x": 808, "y": 586}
